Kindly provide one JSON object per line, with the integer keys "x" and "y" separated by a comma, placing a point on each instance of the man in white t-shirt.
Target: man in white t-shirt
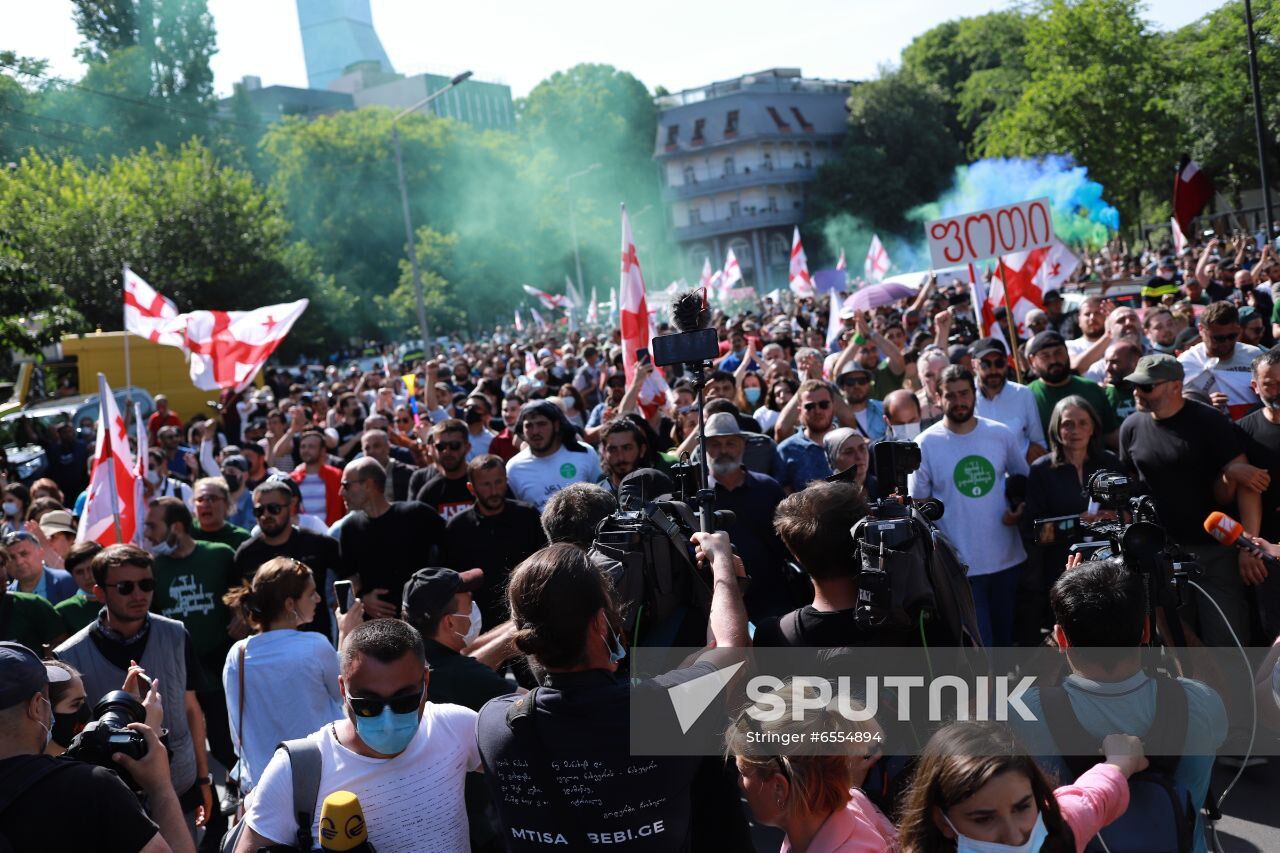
{"x": 1007, "y": 402}
{"x": 1093, "y": 324}
{"x": 404, "y": 758}
{"x": 1220, "y": 365}
{"x": 552, "y": 456}
{"x": 964, "y": 462}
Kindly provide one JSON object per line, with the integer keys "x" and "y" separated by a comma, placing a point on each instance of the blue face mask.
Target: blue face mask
{"x": 387, "y": 733}
{"x": 752, "y": 395}
{"x": 613, "y": 643}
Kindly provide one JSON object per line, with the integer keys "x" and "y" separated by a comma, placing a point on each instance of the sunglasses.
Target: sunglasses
{"x": 1222, "y": 339}
{"x": 994, "y": 363}
{"x": 820, "y": 404}
{"x": 366, "y": 707}
{"x": 1146, "y": 387}
{"x": 268, "y": 509}
{"x": 855, "y": 380}
{"x": 448, "y": 445}
{"x": 126, "y": 587}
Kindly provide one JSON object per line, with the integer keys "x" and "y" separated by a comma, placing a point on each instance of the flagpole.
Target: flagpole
{"x": 111, "y": 463}
{"x": 128, "y": 364}
{"x": 1008, "y": 315}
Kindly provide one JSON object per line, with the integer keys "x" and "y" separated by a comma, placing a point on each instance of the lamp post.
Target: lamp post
{"x": 573, "y": 230}
{"x": 1257, "y": 121}
{"x": 404, "y": 204}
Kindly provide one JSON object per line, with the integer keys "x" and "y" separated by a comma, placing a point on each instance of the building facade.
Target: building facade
{"x": 736, "y": 161}
{"x": 335, "y": 35}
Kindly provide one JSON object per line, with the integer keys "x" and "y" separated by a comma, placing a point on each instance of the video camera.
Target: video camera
{"x": 909, "y": 573}
{"x": 108, "y": 734}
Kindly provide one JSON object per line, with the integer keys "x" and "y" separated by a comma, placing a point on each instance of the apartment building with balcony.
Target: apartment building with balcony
{"x": 737, "y": 160}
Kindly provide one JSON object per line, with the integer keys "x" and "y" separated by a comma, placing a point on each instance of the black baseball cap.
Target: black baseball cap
{"x": 428, "y": 591}
{"x": 982, "y": 346}
{"x": 1044, "y": 341}
{"x": 23, "y": 674}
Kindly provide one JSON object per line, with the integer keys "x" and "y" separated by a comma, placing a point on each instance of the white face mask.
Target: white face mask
{"x": 965, "y": 844}
{"x": 153, "y": 477}
{"x": 10, "y": 507}
{"x": 473, "y": 630}
{"x": 904, "y": 432}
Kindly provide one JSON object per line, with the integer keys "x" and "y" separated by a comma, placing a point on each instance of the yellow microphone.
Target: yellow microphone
{"x": 342, "y": 824}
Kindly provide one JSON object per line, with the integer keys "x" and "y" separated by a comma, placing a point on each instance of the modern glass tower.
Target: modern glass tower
{"x": 336, "y": 34}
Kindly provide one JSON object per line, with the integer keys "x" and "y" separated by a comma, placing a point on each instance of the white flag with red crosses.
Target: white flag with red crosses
{"x": 110, "y": 513}
{"x": 228, "y": 348}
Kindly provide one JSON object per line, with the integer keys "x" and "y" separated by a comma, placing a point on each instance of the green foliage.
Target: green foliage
{"x": 977, "y": 66}
{"x": 1099, "y": 78}
{"x": 398, "y": 313}
{"x": 175, "y": 37}
{"x": 898, "y": 153}
{"x": 201, "y": 233}
{"x": 33, "y": 313}
{"x": 1212, "y": 95}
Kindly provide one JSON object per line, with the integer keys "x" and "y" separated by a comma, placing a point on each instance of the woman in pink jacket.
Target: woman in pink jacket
{"x": 813, "y": 798}
{"x": 976, "y": 788}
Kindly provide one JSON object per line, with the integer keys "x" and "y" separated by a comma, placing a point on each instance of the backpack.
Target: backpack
{"x": 1161, "y": 817}
{"x": 304, "y": 760}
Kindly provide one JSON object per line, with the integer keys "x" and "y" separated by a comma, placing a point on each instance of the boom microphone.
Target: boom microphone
{"x": 342, "y": 825}
{"x": 1228, "y": 531}
{"x": 689, "y": 311}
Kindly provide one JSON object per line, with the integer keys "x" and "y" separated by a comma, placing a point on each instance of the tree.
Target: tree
{"x": 33, "y": 313}
{"x": 977, "y": 66}
{"x": 202, "y": 234}
{"x": 1098, "y": 93}
{"x": 176, "y": 37}
{"x": 897, "y": 155}
{"x": 1214, "y": 98}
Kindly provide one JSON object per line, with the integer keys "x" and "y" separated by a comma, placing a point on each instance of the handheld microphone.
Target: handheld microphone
{"x": 1228, "y": 531}
{"x": 342, "y": 825}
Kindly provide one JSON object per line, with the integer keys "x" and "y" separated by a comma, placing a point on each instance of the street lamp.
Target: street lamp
{"x": 404, "y": 203}
{"x": 573, "y": 231}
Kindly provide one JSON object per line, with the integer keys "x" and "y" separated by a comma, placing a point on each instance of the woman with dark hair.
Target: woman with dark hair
{"x": 278, "y": 667}
{"x": 975, "y": 786}
{"x": 750, "y": 393}
{"x": 17, "y": 499}
{"x": 780, "y": 392}
{"x": 1057, "y": 480}
{"x": 567, "y": 623}
{"x": 73, "y": 708}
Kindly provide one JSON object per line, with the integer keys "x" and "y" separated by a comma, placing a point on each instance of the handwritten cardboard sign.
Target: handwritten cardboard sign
{"x": 971, "y": 237}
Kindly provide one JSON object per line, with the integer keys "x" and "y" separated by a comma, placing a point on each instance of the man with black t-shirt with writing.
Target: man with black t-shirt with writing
{"x": 443, "y": 486}
{"x": 381, "y": 543}
{"x": 1191, "y": 460}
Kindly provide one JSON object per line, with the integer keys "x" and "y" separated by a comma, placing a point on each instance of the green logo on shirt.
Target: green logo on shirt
{"x": 568, "y": 469}
{"x": 974, "y": 476}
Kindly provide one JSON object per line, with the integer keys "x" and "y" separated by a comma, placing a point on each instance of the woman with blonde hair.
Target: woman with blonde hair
{"x": 813, "y": 798}
{"x": 278, "y": 667}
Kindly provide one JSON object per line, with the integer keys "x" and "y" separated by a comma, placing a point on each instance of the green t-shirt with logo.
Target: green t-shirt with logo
{"x": 28, "y": 619}
{"x": 190, "y": 590}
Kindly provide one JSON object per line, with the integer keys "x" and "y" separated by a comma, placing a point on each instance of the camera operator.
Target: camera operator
{"x": 125, "y": 632}
{"x": 1191, "y": 460}
{"x": 38, "y": 793}
{"x": 568, "y": 625}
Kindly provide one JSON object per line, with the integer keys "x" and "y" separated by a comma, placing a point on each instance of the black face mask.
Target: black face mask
{"x": 233, "y": 482}
{"x": 67, "y": 726}
{"x": 473, "y": 415}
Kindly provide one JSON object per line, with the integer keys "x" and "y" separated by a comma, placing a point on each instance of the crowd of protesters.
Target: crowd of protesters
{"x": 457, "y": 498}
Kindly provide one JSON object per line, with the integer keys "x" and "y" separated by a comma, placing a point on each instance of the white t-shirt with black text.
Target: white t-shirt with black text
{"x": 411, "y": 802}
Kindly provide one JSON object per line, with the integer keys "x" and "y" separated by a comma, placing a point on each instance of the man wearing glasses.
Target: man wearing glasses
{"x": 1006, "y": 402}
{"x": 1220, "y": 365}
{"x": 273, "y": 507}
{"x": 443, "y": 485}
{"x": 856, "y": 381}
{"x": 802, "y": 453}
{"x": 405, "y": 758}
{"x": 1191, "y": 460}
{"x": 124, "y": 632}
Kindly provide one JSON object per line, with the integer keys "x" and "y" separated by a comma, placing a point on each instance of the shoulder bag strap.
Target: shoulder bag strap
{"x": 1065, "y": 728}
{"x": 240, "y": 711}
{"x": 1167, "y": 736}
{"x": 305, "y": 767}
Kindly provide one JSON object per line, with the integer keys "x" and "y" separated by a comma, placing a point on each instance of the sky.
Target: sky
{"x": 678, "y": 44}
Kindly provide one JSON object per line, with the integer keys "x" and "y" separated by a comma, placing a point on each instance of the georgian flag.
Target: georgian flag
{"x": 637, "y": 330}
{"x": 877, "y": 262}
{"x": 842, "y": 264}
{"x": 111, "y": 508}
{"x": 732, "y": 271}
{"x": 228, "y": 348}
{"x": 801, "y": 283}
{"x": 150, "y": 315}
{"x": 1027, "y": 276}
{"x": 705, "y": 281}
{"x": 548, "y": 300}
{"x": 593, "y": 310}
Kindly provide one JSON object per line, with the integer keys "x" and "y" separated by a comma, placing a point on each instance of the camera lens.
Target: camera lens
{"x": 118, "y": 709}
